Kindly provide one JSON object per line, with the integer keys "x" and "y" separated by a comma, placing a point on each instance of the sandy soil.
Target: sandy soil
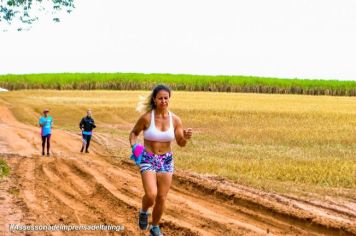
{"x": 74, "y": 188}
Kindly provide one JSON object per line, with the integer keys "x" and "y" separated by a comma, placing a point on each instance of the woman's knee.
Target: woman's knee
{"x": 151, "y": 196}
{"x": 161, "y": 198}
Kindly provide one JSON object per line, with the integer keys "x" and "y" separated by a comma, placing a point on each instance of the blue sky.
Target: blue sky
{"x": 277, "y": 38}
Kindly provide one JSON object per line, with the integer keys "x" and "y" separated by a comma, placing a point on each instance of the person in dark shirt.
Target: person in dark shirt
{"x": 87, "y": 125}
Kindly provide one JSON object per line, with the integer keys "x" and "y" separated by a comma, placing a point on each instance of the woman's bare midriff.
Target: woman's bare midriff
{"x": 157, "y": 147}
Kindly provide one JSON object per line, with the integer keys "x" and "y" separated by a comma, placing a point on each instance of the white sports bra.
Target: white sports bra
{"x": 154, "y": 134}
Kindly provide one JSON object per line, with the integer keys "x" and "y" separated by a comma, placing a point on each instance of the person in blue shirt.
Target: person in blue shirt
{"x": 87, "y": 125}
{"x": 46, "y": 123}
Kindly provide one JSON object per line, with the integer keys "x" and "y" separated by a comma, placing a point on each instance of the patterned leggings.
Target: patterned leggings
{"x": 157, "y": 163}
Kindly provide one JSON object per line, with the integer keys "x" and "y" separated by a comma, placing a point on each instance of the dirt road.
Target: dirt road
{"x": 97, "y": 188}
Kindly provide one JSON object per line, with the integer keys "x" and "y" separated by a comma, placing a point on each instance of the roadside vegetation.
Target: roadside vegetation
{"x": 4, "y": 168}
{"x": 183, "y": 82}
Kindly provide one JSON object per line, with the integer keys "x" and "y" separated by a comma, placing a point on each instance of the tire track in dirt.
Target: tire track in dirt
{"x": 303, "y": 213}
{"x": 10, "y": 211}
{"x": 74, "y": 188}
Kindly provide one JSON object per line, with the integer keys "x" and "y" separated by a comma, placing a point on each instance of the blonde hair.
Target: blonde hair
{"x": 144, "y": 104}
{"x": 147, "y": 104}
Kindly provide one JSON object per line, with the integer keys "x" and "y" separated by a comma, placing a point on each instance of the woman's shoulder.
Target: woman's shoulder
{"x": 176, "y": 118}
{"x": 146, "y": 116}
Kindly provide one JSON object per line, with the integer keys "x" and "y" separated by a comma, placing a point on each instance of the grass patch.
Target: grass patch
{"x": 14, "y": 191}
{"x": 4, "y": 168}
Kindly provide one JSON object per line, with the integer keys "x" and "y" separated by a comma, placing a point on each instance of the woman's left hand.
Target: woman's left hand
{"x": 187, "y": 133}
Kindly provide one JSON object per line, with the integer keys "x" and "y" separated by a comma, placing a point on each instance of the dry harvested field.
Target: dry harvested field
{"x": 258, "y": 164}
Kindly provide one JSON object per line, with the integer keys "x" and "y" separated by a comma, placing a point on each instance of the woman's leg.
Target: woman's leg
{"x": 150, "y": 187}
{"x": 84, "y": 142}
{"x": 48, "y": 143}
{"x": 88, "y": 143}
{"x": 164, "y": 181}
{"x": 43, "y": 144}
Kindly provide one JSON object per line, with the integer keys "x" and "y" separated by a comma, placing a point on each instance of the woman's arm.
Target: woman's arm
{"x": 139, "y": 126}
{"x": 40, "y": 122}
{"x": 81, "y": 124}
{"x": 182, "y": 135}
{"x": 93, "y": 124}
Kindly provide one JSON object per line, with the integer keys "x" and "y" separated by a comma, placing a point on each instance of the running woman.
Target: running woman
{"x": 87, "y": 125}
{"x": 160, "y": 128}
{"x": 46, "y": 122}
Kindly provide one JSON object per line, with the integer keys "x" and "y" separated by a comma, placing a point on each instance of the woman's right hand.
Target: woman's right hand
{"x": 188, "y": 133}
